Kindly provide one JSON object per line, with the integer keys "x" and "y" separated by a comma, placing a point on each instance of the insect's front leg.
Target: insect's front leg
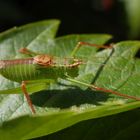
{"x": 81, "y": 44}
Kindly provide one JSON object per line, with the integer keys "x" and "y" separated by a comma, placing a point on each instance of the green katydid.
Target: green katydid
{"x": 49, "y": 68}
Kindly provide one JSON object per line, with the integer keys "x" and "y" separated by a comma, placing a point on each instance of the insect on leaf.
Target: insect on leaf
{"x": 65, "y": 103}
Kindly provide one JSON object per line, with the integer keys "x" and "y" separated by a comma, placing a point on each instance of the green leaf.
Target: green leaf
{"x": 124, "y": 76}
{"x": 116, "y": 127}
{"x": 64, "y": 104}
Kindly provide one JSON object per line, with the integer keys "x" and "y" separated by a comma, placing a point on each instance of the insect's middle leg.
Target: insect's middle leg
{"x": 80, "y": 44}
{"x": 23, "y": 87}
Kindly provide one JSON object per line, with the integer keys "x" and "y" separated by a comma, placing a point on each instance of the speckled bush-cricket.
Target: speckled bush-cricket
{"x": 50, "y": 68}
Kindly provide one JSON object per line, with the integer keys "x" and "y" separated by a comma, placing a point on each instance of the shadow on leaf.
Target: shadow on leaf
{"x": 67, "y": 98}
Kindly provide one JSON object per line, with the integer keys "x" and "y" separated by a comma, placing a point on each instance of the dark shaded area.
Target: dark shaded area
{"x": 138, "y": 54}
{"x": 67, "y": 98}
{"x": 77, "y": 16}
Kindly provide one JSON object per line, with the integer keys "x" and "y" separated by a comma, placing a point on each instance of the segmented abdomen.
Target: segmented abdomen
{"x": 19, "y": 69}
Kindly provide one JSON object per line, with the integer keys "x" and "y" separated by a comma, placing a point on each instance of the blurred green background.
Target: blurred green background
{"x": 117, "y": 17}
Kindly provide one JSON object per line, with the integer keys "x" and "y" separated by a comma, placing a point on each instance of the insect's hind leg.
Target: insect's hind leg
{"x": 80, "y": 44}
{"x": 94, "y": 87}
